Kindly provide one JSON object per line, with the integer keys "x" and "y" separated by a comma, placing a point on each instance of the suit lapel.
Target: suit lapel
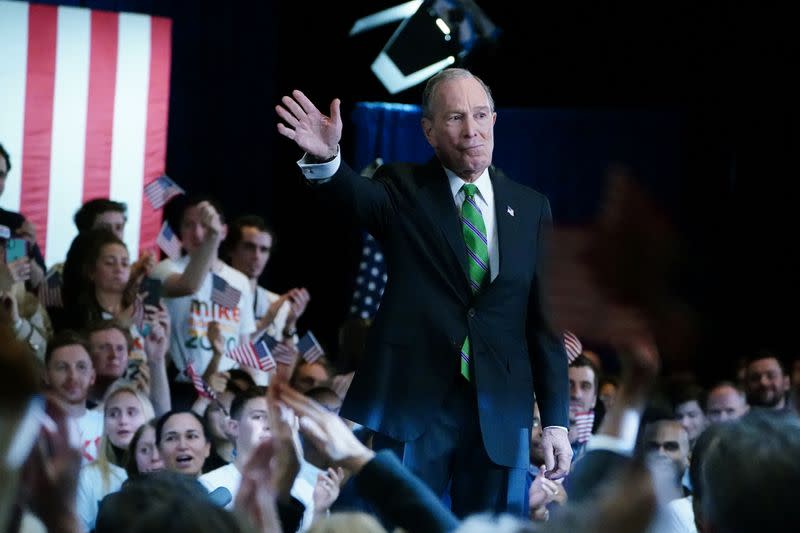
{"x": 507, "y": 227}
{"x": 438, "y": 200}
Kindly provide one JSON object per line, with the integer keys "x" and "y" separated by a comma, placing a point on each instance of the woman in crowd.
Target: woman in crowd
{"x": 104, "y": 288}
{"x": 143, "y": 455}
{"x": 125, "y": 410}
{"x": 183, "y": 441}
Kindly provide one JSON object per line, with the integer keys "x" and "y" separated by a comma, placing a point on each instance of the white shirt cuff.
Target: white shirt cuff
{"x": 320, "y": 171}
{"x": 624, "y": 443}
{"x": 557, "y": 427}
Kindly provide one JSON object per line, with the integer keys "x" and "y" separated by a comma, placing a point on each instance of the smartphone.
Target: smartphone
{"x": 133, "y": 369}
{"x": 15, "y": 249}
{"x": 153, "y": 287}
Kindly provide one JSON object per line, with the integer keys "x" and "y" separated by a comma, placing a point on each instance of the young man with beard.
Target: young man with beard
{"x": 247, "y": 249}
{"x": 766, "y": 383}
{"x": 69, "y": 373}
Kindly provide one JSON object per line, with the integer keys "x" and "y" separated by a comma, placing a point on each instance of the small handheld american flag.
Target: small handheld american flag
{"x": 254, "y": 355}
{"x": 169, "y": 242}
{"x": 584, "y": 421}
{"x": 572, "y": 346}
{"x": 50, "y": 290}
{"x": 161, "y": 190}
{"x": 370, "y": 280}
{"x": 309, "y": 348}
{"x": 200, "y": 386}
{"x": 223, "y": 294}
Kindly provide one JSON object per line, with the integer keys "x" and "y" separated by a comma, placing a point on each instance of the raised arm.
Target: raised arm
{"x": 201, "y": 259}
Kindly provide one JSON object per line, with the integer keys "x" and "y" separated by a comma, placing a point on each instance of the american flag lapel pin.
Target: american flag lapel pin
{"x": 509, "y": 210}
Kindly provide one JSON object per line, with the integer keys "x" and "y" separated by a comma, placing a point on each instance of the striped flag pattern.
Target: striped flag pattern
{"x": 84, "y": 115}
{"x": 223, "y": 294}
{"x": 583, "y": 425}
{"x": 309, "y": 348}
{"x": 254, "y": 355}
{"x": 202, "y": 388}
{"x": 572, "y": 345}
{"x": 161, "y": 190}
{"x": 169, "y": 242}
{"x": 50, "y": 290}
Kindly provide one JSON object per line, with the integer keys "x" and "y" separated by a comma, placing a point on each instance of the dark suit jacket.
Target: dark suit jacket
{"x": 428, "y": 309}
{"x": 401, "y": 498}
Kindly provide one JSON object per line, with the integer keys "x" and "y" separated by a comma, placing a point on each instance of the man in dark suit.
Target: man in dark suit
{"x": 460, "y": 342}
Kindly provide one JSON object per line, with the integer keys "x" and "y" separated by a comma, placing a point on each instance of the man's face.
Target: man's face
{"x": 109, "y": 352}
{"x": 667, "y": 440}
{"x": 691, "y": 417}
{"x": 3, "y": 174}
{"x": 193, "y": 231}
{"x": 251, "y": 254}
{"x": 113, "y": 220}
{"x": 725, "y": 403}
{"x": 461, "y": 130}
{"x": 70, "y": 373}
{"x": 582, "y": 393}
{"x": 310, "y": 376}
{"x": 766, "y": 384}
{"x": 253, "y": 425}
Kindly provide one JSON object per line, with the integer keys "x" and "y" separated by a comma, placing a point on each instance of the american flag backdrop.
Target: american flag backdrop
{"x": 370, "y": 279}
{"x": 83, "y": 114}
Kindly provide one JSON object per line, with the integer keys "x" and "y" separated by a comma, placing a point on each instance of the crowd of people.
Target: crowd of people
{"x": 126, "y": 410}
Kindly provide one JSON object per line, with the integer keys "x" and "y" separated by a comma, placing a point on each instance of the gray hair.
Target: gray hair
{"x": 750, "y": 474}
{"x": 448, "y": 74}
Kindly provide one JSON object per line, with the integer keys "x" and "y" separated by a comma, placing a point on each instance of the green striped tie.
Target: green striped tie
{"x": 474, "y": 232}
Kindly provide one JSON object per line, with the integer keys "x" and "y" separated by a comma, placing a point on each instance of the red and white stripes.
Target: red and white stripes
{"x": 84, "y": 115}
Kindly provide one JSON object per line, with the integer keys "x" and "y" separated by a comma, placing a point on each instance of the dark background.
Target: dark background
{"x": 727, "y": 70}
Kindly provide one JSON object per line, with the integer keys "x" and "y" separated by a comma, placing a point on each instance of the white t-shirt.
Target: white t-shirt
{"x": 191, "y": 314}
{"x": 228, "y": 476}
{"x": 88, "y": 430}
{"x": 91, "y": 490}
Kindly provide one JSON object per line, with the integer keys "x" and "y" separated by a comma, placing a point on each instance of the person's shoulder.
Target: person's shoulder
{"x": 12, "y": 219}
{"x": 234, "y": 277}
{"x": 407, "y": 171}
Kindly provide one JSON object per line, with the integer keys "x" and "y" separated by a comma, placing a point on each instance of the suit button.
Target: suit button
{"x": 471, "y": 313}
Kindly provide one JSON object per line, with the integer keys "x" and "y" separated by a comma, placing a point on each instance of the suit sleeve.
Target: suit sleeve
{"x": 371, "y": 200}
{"x": 546, "y": 349}
{"x": 402, "y": 498}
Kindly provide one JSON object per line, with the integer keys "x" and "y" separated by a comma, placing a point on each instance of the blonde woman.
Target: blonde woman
{"x": 125, "y": 409}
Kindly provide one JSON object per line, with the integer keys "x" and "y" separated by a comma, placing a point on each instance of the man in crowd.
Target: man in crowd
{"x": 188, "y": 287}
{"x": 69, "y": 373}
{"x": 110, "y": 343}
{"x": 667, "y": 443}
{"x": 725, "y": 402}
{"x": 16, "y": 222}
{"x": 583, "y": 380}
{"x": 766, "y": 383}
{"x": 248, "y": 248}
{"x": 688, "y": 406}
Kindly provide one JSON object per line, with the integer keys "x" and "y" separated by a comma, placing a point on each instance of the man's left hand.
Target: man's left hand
{"x": 557, "y": 452}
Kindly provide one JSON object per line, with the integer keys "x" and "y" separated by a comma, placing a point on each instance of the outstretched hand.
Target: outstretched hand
{"x": 326, "y": 431}
{"x": 317, "y": 134}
